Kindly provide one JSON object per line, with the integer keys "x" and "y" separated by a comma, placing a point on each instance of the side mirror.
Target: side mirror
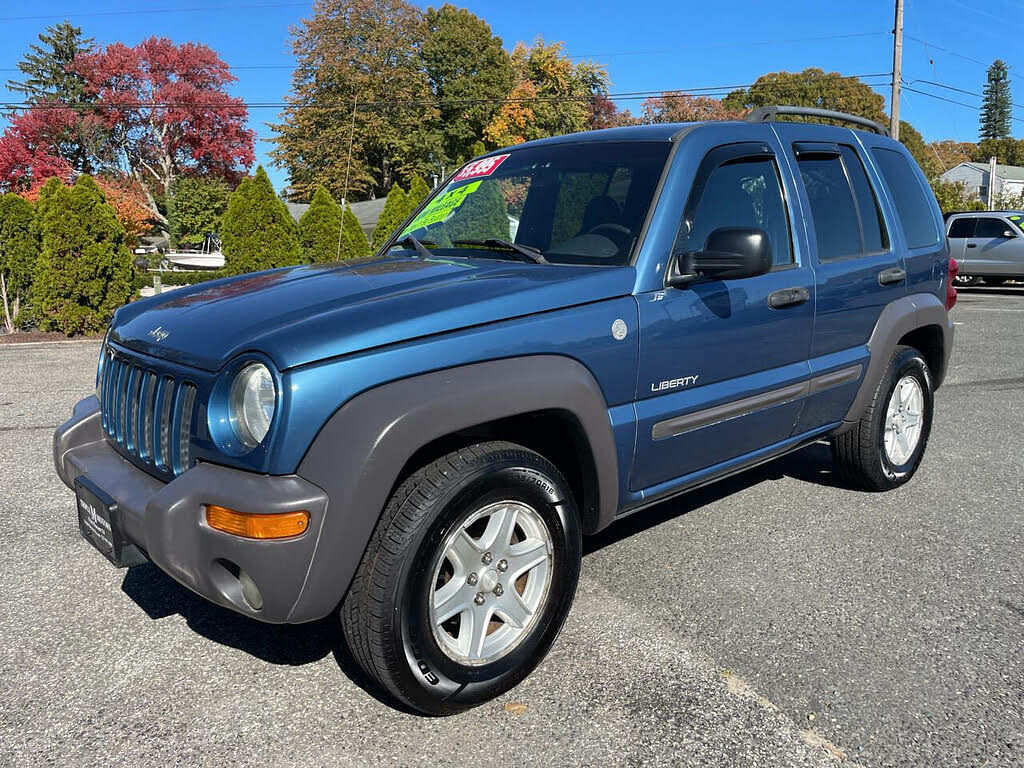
{"x": 1008, "y": 234}
{"x": 730, "y": 253}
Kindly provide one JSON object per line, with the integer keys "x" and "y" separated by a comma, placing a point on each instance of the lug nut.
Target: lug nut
{"x": 498, "y": 590}
{"x": 503, "y": 565}
{"x": 487, "y": 558}
{"x": 479, "y": 599}
{"x": 472, "y": 579}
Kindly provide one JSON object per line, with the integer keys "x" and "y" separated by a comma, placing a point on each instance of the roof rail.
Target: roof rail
{"x": 768, "y": 114}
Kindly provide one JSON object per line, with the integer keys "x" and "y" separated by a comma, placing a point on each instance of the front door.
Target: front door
{"x": 996, "y": 248}
{"x": 723, "y": 363}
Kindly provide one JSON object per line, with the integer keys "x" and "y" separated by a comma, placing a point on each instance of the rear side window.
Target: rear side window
{"x": 836, "y": 225}
{"x": 909, "y": 198}
{"x": 962, "y": 228}
{"x": 991, "y": 228}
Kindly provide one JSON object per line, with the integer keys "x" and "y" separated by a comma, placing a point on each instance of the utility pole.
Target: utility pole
{"x": 991, "y": 197}
{"x": 897, "y": 66}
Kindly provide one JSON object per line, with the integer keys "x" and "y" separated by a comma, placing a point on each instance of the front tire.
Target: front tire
{"x": 467, "y": 579}
{"x": 884, "y": 449}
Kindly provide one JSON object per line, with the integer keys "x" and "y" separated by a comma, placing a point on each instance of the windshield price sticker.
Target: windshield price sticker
{"x": 480, "y": 168}
{"x": 440, "y": 208}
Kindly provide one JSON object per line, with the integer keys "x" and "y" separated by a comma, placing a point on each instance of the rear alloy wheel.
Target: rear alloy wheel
{"x": 884, "y": 448}
{"x": 966, "y": 281}
{"x": 467, "y": 578}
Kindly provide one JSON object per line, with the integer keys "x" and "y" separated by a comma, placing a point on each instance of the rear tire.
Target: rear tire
{"x": 884, "y": 449}
{"x": 966, "y": 281}
{"x": 467, "y": 579}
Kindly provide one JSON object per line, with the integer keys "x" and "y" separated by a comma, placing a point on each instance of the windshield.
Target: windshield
{"x": 1018, "y": 220}
{"x": 575, "y": 203}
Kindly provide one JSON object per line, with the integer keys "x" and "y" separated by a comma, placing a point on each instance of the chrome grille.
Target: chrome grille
{"x": 148, "y": 415}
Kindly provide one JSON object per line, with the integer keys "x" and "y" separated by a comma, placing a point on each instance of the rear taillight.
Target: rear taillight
{"x": 950, "y": 290}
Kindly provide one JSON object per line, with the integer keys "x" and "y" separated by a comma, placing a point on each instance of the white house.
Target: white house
{"x": 1009, "y": 179}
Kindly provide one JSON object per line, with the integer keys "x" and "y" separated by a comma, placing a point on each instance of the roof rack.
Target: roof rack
{"x": 768, "y": 114}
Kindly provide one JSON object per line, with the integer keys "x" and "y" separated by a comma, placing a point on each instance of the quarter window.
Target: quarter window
{"x": 909, "y": 198}
{"x": 746, "y": 192}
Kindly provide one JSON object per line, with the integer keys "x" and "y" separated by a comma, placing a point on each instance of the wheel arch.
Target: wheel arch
{"x": 382, "y": 435}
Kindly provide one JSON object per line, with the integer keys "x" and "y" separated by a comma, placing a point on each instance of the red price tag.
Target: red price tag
{"x": 479, "y": 168}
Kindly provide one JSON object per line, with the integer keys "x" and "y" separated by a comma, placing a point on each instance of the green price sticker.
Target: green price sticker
{"x": 440, "y": 208}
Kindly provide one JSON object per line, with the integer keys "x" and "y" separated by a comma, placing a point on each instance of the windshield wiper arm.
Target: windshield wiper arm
{"x": 417, "y": 245}
{"x": 529, "y": 252}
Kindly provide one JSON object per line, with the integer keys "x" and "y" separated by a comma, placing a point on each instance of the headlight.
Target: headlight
{"x": 251, "y": 404}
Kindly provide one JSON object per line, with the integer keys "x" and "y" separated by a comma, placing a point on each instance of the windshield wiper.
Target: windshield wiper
{"x": 417, "y": 245}
{"x": 494, "y": 243}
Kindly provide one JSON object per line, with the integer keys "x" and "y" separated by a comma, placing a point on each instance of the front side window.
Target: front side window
{"x": 990, "y": 227}
{"x": 745, "y": 192}
{"x": 909, "y": 198}
{"x": 581, "y": 203}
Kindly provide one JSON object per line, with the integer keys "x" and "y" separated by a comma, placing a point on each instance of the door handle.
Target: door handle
{"x": 972, "y": 245}
{"x": 788, "y": 297}
{"x": 890, "y": 276}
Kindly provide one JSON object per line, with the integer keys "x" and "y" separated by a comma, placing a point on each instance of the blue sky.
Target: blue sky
{"x": 646, "y": 44}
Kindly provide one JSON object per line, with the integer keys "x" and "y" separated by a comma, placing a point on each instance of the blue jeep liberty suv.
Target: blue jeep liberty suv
{"x": 565, "y": 332}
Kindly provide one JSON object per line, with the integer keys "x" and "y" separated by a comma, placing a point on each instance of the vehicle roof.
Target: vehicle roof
{"x": 660, "y": 132}
{"x": 951, "y": 214}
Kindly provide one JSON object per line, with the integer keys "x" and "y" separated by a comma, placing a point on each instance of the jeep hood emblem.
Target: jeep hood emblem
{"x": 159, "y": 334}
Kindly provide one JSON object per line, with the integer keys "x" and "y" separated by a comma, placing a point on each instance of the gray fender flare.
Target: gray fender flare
{"x": 897, "y": 320}
{"x": 361, "y": 450}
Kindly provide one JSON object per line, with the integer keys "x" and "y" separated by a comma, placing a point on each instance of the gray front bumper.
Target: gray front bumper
{"x": 167, "y": 520}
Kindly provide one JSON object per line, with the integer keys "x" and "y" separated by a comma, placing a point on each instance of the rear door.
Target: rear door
{"x": 857, "y": 268}
{"x": 961, "y": 229}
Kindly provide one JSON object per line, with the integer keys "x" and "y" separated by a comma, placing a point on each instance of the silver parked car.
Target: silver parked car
{"x": 988, "y": 245}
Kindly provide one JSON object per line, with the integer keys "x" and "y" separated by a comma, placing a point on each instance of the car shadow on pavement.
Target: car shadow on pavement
{"x": 813, "y": 464}
{"x": 160, "y": 596}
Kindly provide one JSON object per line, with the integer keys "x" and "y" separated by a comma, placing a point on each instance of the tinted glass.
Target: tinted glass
{"x": 991, "y": 228}
{"x": 875, "y": 237}
{"x": 909, "y": 198}
{"x": 962, "y": 227}
{"x": 740, "y": 194}
{"x": 836, "y": 227}
{"x": 580, "y": 203}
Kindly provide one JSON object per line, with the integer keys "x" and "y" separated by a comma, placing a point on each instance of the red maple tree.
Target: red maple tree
{"x": 30, "y": 148}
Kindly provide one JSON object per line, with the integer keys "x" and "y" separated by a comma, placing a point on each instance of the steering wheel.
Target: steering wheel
{"x": 617, "y": 233}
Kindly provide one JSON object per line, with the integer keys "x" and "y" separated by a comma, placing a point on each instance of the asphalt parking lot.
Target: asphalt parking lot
{"x": 773, "y": 619}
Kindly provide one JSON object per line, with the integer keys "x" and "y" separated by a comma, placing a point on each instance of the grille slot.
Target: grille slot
{"x": 149, "y": 415}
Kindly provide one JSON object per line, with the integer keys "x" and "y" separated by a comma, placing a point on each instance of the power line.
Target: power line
{"x": 151, "y": 11}
{"x": 952, "y": 101}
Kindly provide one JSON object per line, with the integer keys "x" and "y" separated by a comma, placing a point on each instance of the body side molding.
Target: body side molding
{"x": 363, "y": 447}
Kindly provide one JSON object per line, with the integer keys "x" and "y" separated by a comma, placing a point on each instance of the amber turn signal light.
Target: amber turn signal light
{"x": 274, "y": 526}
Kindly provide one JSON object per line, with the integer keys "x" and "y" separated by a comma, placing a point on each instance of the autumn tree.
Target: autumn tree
{"x": 320, "y": 228}
{"x": 951, "y": 153}
{"x": 48, "y": 77}
{"x": 195, "y": 206}
{"x": 604, "y": 113}
{"x": 258, "y": 232}
{"x": 680, "y": 107}
{"x": 34, "y": 145}
{"x": 396, "y": 208}
{"x": 469, "y": 73}
{"x": 552, "y": 95}
{"x": 1008, "y": 151}
{"x": 18, "y": 251}
{"x": 84, "y": 269}
{"x": 357, "y": 65}
{"x": 996, "y": 107}
{"x": 166, "y": 111}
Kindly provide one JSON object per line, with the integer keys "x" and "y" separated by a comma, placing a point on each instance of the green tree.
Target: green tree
{"x": 995, "y": 105}
{"x": 349, "y": 52}
{"x": 1007, "y": 151}
{"x": 469, "y": 73}
{"x": 48, "y": 76}
{"x": 319, "y": 229}
{"x": 953, "y": 196}
{"x": 354, "y": 244}
{"x": 418, "y": 192}
{"x": 396, "y": 208}
{"x": 257, "y": 231}
{"x": 195, "y": 207}
{"x": 84, "y": 269}
{"x": 18, "y": 252}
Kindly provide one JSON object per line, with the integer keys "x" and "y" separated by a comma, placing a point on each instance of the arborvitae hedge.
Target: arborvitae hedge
{"x": 257, "y": 231}
{"x": 84, "y": 269}
{"x": 354, "y": 244}
{"x": 19, "y": 249}
{"x": 319, "y": 228}
{"x": 194, "y": 209}
{"x": 395, "y": 209}
{"x": 418, "y": 191}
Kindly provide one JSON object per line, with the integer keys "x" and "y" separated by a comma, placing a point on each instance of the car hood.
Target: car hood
{"x": 304, "y": 314}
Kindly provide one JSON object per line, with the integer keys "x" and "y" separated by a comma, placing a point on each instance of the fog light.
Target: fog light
{"x": 255, "y": 526}
{"x": 250, "y": 591}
